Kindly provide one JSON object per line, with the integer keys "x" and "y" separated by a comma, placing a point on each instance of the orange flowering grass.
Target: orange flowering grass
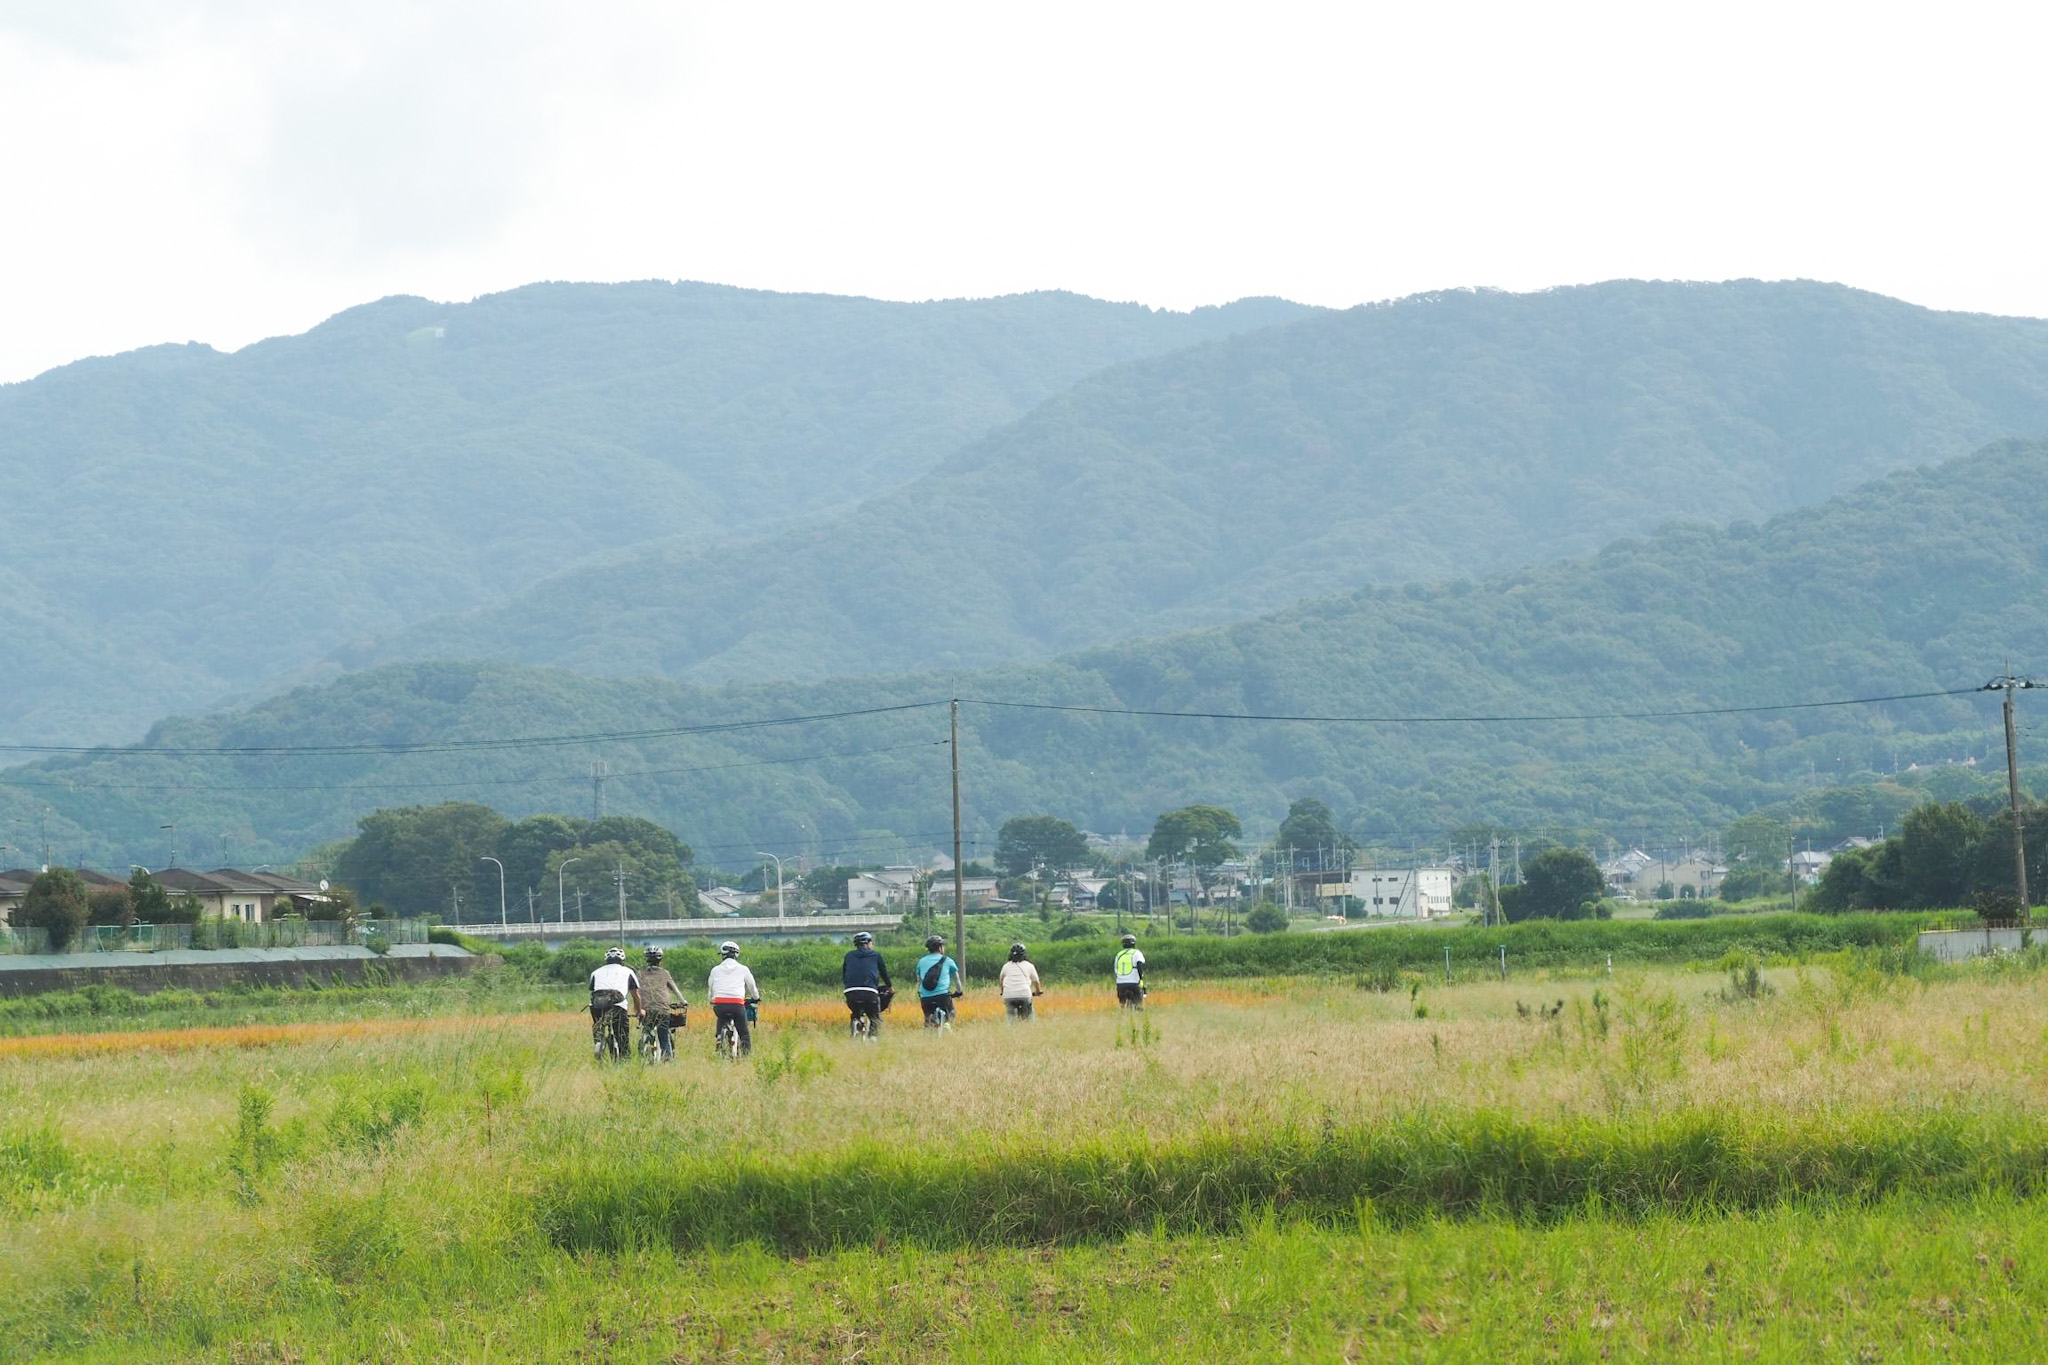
{"x": 812, "y": 1013}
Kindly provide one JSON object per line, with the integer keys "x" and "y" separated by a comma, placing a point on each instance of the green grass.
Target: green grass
{"x": 1907, "y": 1280}
{"x": 1848, "y": 1157}
{"x": 1455, "y": 1165}
{"x": 1547, "y": 945}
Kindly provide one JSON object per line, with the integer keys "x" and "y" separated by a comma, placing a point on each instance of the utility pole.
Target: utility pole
{"x": 455, "y": 893}
{"x": 2009, "y": 685}
{"x": 599, "y": 771}
{"x": 959, "y": 871}
{"x": 531, "y": 918}
{"x": 1493, "y": 876}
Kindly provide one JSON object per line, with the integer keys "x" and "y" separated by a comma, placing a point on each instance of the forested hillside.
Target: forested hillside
{"x": 186, "y": 526}
{"x": 1925, "y": 580}
{"x": 1450, "y": 435}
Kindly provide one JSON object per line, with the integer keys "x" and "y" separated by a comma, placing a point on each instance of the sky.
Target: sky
{"x": 226, "y": 170}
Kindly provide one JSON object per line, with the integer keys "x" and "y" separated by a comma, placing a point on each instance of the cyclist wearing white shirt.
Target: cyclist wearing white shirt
{"x": 1130, "y": 974}
{"x": 612, "y": 987}
{"x": 732, "y": 990}
{"x": 1018, "y": 983}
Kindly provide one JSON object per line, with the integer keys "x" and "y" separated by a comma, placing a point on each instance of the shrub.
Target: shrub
{"x": 1685, "y": 909}
{"x": 56, "y": 902}
{"x": 1560, "y": 883}
{"x": 1266, "y": 918}
{"x": 109, "y": 905}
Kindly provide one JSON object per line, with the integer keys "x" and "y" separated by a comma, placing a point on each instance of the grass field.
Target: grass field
{"x": 1836, "y": 1159}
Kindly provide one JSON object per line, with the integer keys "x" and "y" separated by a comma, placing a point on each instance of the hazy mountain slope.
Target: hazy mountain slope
{"x": 1924, "y": 580}
{"x": 1440, "y": 436}
{"x": 223, "y": 519}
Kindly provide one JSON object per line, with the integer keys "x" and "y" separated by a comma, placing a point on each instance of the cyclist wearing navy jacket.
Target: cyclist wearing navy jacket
{"x": 865, "y": 977}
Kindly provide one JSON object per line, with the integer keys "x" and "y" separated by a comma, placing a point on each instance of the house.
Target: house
{"x": 1636, "y": 875}
{"x": 977, "y": 892}
{"x": 727, "y": 900}
{"x": 230, "y": 893}
{"x": 1084, "y": 893}
{"x": 14, "y": 885}
{"x": 1622, "y": 874}
{"x": 892, "y": 888}
{"x": 15, "y": 882}
{"x": 1400, "y": 892}
{"x": 1809, "y": 864}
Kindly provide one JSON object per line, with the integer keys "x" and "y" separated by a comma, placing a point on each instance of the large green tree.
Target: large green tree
{"x": 409, "y": 859}
{"x": 1558, "y": 883}
{"x": 1310, "y": 824}
{"x": 56, "y": 902}
{"x": 1938, "y": 854}
{"x": 1203, "y": 834}
{"x": 656, "y": 884}
{"x": 146, "y": 895}
{"x": 1026, "y": 841}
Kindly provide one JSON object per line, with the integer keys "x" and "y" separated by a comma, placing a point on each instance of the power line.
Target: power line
{"x": 1471, "y": 720}
{"x": 529, "y": 780}
{"x": 364, "y": 747}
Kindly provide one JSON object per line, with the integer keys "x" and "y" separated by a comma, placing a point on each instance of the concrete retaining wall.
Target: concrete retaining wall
{"x": 1956, "y": 945}
{"x": 283, "y": 968}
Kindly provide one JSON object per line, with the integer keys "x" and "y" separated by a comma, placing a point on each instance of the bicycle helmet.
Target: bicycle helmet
{"x": 934, "y": 943}
{"x": 863, "y": 939}
{"x": 615, "y": 955}
{"x": 1016, "y": 952}
{"x": 728, "y": 949}
{"x": 653, "y": 956}
{"x": 1130, "y": 940}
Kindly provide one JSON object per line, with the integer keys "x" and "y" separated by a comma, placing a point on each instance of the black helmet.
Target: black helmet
{"x": 1130, "y": 940}
{"x": 653, "y": 955}
{"x": 934, "y": 943}
{"x": 615, "y": 955}
{"x": 1016, "y": 952}
{"x": 728, "y": 949}
{"x": 863, "y": 938}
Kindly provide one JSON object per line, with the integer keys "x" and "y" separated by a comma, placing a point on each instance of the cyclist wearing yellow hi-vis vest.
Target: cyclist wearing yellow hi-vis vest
{"x": 1130, "y": 974}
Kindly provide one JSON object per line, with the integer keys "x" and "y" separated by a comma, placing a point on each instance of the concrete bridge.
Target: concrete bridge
{"x": 678, "y": 930}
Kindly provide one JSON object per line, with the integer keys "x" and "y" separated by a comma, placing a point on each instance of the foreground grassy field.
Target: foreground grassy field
{"x": 1830, "y": 1160}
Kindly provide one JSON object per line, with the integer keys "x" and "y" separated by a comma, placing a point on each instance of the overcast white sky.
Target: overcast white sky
{"x": 224, "y": 170}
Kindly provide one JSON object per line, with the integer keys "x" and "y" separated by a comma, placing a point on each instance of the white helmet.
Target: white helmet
{"x": 728, "y": 949}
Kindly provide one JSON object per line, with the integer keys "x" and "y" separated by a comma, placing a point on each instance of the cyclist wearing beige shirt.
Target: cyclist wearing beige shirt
{"x": 1018, "y": 982}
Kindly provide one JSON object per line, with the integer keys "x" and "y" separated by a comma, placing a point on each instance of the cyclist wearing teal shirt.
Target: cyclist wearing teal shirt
{"x": 938, "y": 983}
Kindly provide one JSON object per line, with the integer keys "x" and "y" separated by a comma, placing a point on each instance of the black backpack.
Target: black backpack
{"x": 932, "y": 974}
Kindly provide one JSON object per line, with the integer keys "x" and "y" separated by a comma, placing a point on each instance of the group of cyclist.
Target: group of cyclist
{"x": 652, "y": 996}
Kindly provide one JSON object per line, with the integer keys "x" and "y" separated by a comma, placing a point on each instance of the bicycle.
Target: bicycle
{"x": 940, "y": 1020}
{"x": 865, "y": 1027}
{"x": 725, "y": 1042}
{"x": 653, "y": 1047}
{"x": 608, "y": 1026}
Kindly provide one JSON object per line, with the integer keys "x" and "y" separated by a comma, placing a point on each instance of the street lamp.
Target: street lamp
{"x": 561, "y": 900}
{"x": 487, "y": 858}
{"x": 173, "y": 828}
{"x": 781, "y": 921}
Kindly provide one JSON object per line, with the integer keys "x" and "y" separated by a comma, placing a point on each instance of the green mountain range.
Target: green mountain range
{"x": 187, "y": 526}
{"x": 1923, "y": 581}
{"x": 1449, "y": 435}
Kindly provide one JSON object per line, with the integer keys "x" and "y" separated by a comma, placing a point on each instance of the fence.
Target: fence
{"x": 211, "y": 935}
